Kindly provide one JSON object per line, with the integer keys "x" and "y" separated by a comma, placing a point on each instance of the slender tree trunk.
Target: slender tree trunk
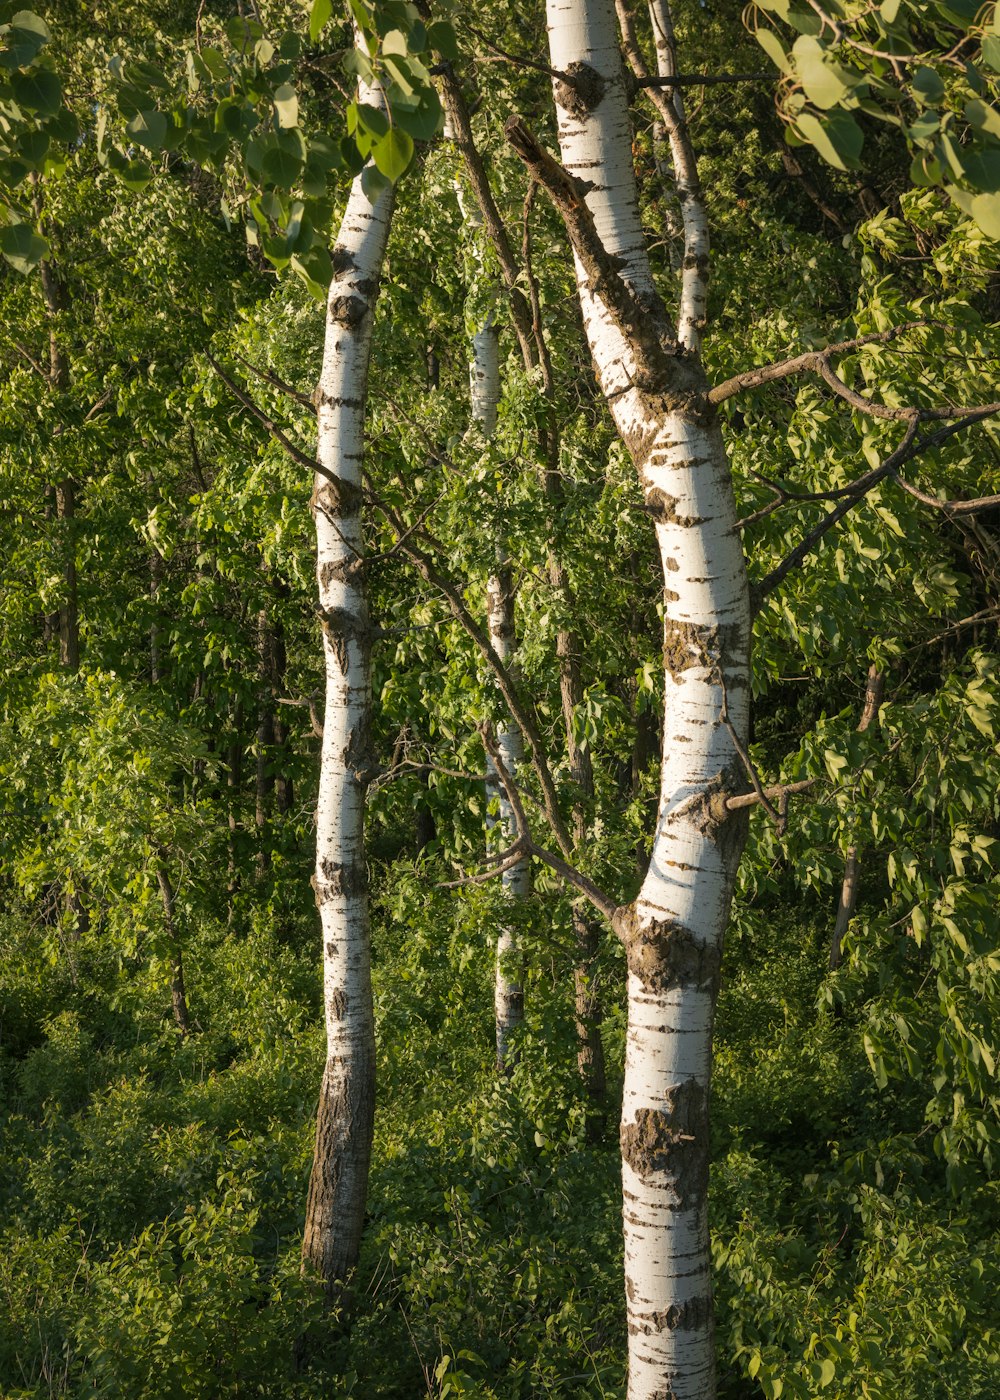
{"x": 178, "y": 996}
{"x": 508, "y": 997}
{"x": 284, "y": 792}
{"x": 345, "y": 1118}
{"x": 54, "y": 296}
{"x": 852, "y": 862}
{"x": 673, "y": 934}
{"x": 234, "y": 780}
{"x": 155, "y": 656}
{"x": 264, "y": 742}
{"x": 527, "y": 319}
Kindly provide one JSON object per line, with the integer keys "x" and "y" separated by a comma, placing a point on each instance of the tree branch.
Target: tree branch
{"x": 636, "y": 322}
{"x": 519, "y": 707}
{"x": 279, "y": 436}
{"x": 601, "y": 901}
{"x": 860, "y": 489}
{"x": 808, "y": 361}
{"x": 306, "y": 400}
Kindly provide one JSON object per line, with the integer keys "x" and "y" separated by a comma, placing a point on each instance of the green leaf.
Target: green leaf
{"x": 243, "y": 33}
{"x": 828, "y": 1369}
{"x": 772, "y": 46}
{"x": 22, "y": 246}
{"x": 319, "y": 15}
{"x": 441, "y": 38}
{"x": 282, "y": 158}
{"x": 985, "y": 209}
{"x": 315, "y": 269}
{"x": 373, "y": 119}
{"x": 286, "y": 104}
{"x": 928, "y": 86}
{"x": 148, "y": 129}
{"x": 135, "y": 175}
{"x": 373, "y": 183}
{"x": 838, "y": 138}
{"x": 991, "y": 51}
{"x": 393, "y": 153}
{"x": 420, "y": 117}
{"x": 33, "y": 147}
{"x": 983, "y": 117}
{"x": 39, "y": 91}
{"x": 826, "y": 83}
{"x": 27, "y": 36}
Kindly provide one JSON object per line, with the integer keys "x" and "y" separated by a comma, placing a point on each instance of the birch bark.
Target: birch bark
{"x": 673, "y": 933}
{"x": 345, "y": 1116}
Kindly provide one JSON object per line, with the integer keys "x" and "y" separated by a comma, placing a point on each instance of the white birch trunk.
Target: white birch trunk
{"x": 339, "y": 1180}
{"x": 508, "y": 995}
{"x": 673, "y": 934}
{"x": 484, "y": 399}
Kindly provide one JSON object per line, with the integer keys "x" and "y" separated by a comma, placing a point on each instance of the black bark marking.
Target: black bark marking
{"x": 338, "y": 1004}
{"x": 358, "y": 756}
{"x": 673, "y": 1141}
{"x": 340, "y": 879}
{"x": 341, "y": 627}
{"x": 580, "y": 91}
{"x": 663, "y": 508}
{"x": 339, "y": 571}
{"x": 664, "y": 954}
{"x": 690, "y": 1316}
{"x": 347, "y": 310}
{"x": 337, "y": 498}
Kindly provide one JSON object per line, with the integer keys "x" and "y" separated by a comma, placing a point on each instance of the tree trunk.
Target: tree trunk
{"x": 673, "y": 934}
{"x": 508, "y": 996}
{"x": 345, "y": 1118}
{"x": 527, "y": 320}
{"x": 178, "y": 996}
{"x": 264, "y": 743}
{"x": 852, "y": 862}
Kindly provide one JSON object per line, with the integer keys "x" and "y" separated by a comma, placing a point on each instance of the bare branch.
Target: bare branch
{"x": 774, "y": 792}
{"x": 519, "y": 707}
{"x": 601, "y": 901}
{"x": 703, "y": 79}
{"x": 306, "y": 400}
{"x": 461, "y": 134}
{"x": 860, "y": 489}
{"x": 279, "y": 436}
{"x": 309, "y": 702}
{"x": 496, "y": 866}
{"x": 758, "y": 790}
{"x": 949, "y": 507}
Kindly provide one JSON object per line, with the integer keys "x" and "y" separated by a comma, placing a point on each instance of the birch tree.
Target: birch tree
{"x": 649, "y": 371}
{"x": 345, "y": 1118}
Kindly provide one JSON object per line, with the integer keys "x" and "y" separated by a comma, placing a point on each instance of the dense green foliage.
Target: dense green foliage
{"x": 152, "y": 1183}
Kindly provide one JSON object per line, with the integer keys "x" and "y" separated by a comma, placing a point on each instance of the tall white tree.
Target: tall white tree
{"x": 651, "y": 377}
{"x": 344, "y": 1124}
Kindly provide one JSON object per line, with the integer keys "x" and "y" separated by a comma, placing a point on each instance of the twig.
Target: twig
{"x": 601, "y": 901}
{"x": 950, "y": 507}
{"x": 862, "y": 486}
{"x": 294, "y": 452}
{"x": 779, "y": 791}
{"x": 745, "y": 759}
{"x": 306, "y": 400}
